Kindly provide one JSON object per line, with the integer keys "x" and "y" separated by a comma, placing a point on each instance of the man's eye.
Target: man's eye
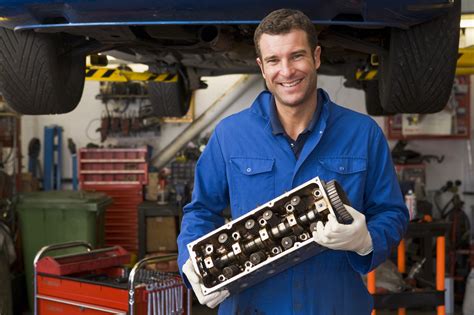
{"x": 271, "y": 61}
{"x": 296, "y": 57}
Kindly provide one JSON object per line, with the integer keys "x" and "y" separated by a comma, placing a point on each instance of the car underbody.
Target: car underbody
{"x": 403, "y": 50}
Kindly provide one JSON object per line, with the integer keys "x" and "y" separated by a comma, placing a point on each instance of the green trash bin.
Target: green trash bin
{"x": 49, "y": 217}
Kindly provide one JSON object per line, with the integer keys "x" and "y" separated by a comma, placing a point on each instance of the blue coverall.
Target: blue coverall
{"x": 245, "y": 165}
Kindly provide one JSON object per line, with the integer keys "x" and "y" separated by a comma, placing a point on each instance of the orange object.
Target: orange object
{"x": 401, "y": 267}
{"x": 401, "y": 257}
{"x": 440, "y": 269}
{"x": 371, "y": 285}
{"x": 371, "y": 282}
{"x": 427, "y": 218}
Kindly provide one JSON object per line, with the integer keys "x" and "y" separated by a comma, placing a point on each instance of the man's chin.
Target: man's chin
{"x": 290, "y": 102}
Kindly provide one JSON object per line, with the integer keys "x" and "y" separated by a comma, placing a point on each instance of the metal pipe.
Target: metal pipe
{"x": 215, "y": 38}
{"x": 211, "y": 114}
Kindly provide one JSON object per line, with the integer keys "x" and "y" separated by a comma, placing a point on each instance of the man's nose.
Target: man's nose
{"x": 287, "y": 68}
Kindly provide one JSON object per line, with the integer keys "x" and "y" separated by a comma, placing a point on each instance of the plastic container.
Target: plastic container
{"x": 50, "y": 217}
{"x": 410, "y": 202}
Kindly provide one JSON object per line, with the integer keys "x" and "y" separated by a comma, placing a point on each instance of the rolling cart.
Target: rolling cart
{"x": 96, "y": 282}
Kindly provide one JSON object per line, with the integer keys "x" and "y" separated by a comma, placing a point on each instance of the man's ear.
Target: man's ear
{"x": 260, "y": 64}
{"x": 317, "y": 56}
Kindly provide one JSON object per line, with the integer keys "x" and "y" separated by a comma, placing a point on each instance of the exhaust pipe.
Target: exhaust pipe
{"x": 215, "y": 38}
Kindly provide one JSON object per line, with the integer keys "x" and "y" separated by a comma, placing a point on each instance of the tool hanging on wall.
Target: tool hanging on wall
{"x": 34, "y": 167}
{"x": 72, "y": 149}
{"x": 127, "y": 124}
{"x": 53, "y": 139}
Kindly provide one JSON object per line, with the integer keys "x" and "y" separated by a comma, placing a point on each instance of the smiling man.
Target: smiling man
{"x": 292, "y": 133}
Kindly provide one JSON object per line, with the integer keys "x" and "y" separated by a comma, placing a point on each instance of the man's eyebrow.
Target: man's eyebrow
{"x": 299, "y": 52}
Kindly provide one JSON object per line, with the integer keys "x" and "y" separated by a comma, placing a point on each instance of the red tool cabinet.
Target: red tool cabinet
{"x": 96, "y": 282}
{"x": 121, "y": 174}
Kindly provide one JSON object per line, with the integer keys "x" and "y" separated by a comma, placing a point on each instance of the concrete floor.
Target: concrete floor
{"x": 203, "y": 310}
{"x": 198, "y": 309}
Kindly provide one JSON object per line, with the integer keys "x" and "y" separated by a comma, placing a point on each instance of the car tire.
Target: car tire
{"x": 418, "y": 72}
{"x": 372, "y": 99}
{"x": 35, "y": 78}
{"x": 169, "y": 99}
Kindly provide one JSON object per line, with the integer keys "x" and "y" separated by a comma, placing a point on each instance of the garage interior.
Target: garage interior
{"x": 108, "y": 182}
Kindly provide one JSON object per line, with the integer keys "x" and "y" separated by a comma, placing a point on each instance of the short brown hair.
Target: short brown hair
{"x": 282, "y": 21}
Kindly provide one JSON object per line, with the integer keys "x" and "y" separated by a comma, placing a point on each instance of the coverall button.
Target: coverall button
{"x": 249, "y": 169}
{"x": 341, "y": 168}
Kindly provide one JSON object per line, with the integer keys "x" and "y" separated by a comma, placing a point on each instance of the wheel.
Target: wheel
{"x": 372, "y": 99}
{"x": 418, "y": 72}
{"x": 169, "y": 99}
{"x": 35, "y": 78}
{"x": 338, "y": 198}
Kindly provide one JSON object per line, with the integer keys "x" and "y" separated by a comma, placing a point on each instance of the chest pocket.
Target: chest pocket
{"x": 342, "y": 165}
{"x": 252, "y": 183}
{"x": 350, "y": 172}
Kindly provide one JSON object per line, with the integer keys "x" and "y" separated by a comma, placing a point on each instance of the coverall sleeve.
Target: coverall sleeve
{"x": 210, "y": 197}
{"x": 384, "y": 207}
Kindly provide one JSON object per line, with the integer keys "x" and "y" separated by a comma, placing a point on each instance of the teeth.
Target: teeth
{"x": 290, "y": 84}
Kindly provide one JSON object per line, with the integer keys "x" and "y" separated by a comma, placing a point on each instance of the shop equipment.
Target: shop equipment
{"x": 120, "y": 173}
{"x": 97, "y": 282}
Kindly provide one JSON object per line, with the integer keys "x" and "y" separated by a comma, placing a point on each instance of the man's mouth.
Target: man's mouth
{"x": 291, "y": 83}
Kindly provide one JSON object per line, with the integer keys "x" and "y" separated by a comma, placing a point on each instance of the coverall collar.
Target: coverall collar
{"x": 275, "y": 122}
{"x": 262, "y": 106}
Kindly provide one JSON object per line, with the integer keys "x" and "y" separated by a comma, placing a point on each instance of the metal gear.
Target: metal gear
{"x": 337, "y": 198}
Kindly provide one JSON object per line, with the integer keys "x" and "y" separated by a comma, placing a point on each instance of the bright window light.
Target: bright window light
{"x": 467, "y": 20}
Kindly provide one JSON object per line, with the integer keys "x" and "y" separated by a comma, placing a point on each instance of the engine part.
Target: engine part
{"x": 230, "y": 256}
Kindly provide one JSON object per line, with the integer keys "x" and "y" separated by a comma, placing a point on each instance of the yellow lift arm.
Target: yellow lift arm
{"x": 465, "y": 61}
{"x": 465, "y": 65}
{"x": 117, "y": 75}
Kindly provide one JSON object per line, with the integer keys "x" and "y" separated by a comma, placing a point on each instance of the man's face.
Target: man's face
{"x": 289, "y": 67}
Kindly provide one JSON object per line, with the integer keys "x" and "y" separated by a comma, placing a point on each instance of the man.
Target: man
{"x": 290, "y": 134}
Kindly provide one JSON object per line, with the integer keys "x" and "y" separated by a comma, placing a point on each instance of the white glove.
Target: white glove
{"x": 211, "y": 300}
{"x": 354, "y": 237}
